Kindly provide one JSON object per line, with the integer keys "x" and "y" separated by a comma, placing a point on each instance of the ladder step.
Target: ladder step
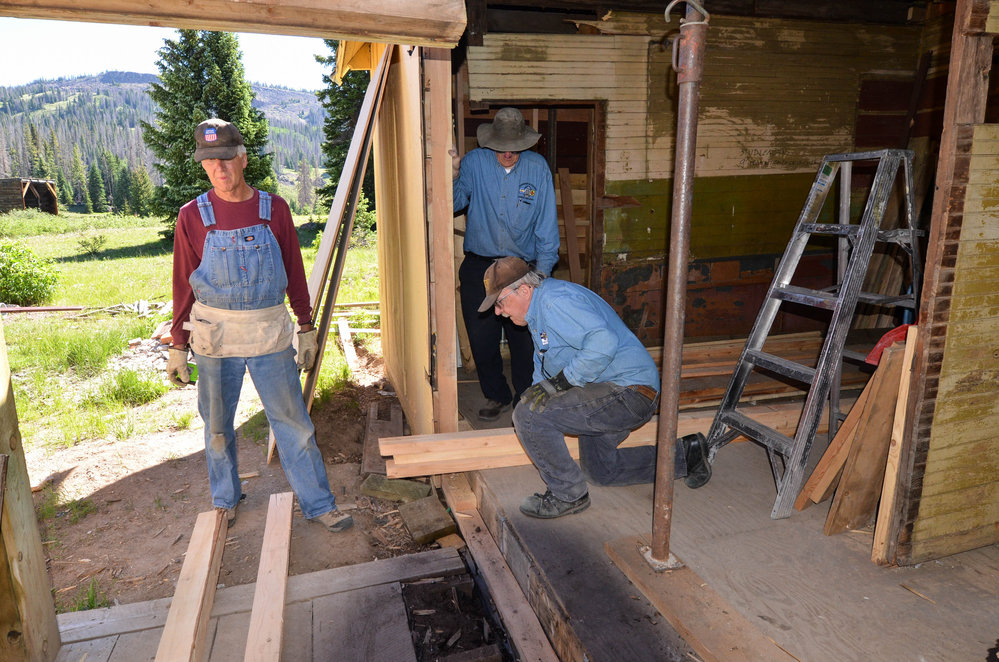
{"x": 838, "y": 229}
{"x": 898, "y": 235}
{"x": 781, "y": 366}
{"x": 756, "y": 431}
{"x": 901, "y": 300}
{"x": 849, "y": 354}
{"x": 806, "y": 296}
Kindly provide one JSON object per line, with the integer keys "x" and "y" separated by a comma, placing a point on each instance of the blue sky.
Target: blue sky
{"x": 33, "y": 49}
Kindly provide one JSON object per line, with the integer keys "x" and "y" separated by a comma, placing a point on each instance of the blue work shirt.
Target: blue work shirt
{"x": 578, "y": 333}
{"x": 508, "y": 213}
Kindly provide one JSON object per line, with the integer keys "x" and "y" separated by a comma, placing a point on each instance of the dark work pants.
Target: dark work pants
{"x": 484, "y": 332}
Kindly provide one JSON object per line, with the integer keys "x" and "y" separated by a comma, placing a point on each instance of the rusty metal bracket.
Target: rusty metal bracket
{"x": 684, "y": 23}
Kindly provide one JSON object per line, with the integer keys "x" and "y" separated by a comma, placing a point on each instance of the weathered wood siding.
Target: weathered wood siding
{"x": 958, "y": 504}
{"x": 777, "y": 95}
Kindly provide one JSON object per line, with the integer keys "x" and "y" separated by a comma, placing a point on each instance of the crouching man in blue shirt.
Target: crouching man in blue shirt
{"x": 592, "y": 378}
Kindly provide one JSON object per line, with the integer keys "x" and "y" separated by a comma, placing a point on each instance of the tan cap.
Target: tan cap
{"x": 500, "y": 274}
{"x": 216, "y": 139}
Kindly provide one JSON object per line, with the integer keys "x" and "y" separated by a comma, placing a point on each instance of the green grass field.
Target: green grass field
{"x": 64, "y": 390}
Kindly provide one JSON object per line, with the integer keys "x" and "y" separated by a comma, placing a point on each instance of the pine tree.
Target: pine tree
{"x": 95, "y": 185}
{"x": 140, "y": 191}
{"x": 201, "y": 76}
{"x": 306, "y": 194}
{"x": 343, "y": 105}
{"x": 78, "y": 180}
{"x": 122, "y": 186}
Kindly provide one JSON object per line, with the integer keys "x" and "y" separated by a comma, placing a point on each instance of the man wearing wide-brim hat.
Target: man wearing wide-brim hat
{"x": 510, "y": 198}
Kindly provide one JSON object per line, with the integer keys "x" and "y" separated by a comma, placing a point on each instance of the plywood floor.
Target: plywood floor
{"x": 818, "y": 597}
{"x": 349, "y": 614}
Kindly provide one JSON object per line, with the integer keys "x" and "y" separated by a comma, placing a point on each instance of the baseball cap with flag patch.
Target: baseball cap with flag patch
{"x": 216, "y": 139}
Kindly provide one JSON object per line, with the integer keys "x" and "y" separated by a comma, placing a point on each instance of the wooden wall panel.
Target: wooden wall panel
{"x": 402, "y": 240}
{"x": 777, "y": 94}
{"x": 958, "y": 482}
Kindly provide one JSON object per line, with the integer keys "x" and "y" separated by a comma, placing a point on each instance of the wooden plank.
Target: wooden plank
{"x": 26, "y": 606}
{"x": 440, "y": 217}
{"x": 569, "y": 221}
{"x": 883, "y": 548}
{"x": 423, "y": 455}
{"x": 144, "y": 616}
{"x": 267, "y": 617}
{"x": 349, "y": 353}
{"x": 522, "y": 626}
{"x": 824, "y": 477}
{"x": 438, "y": 23}
{"x": 458, "y": 492}
{"x": 856, "y": 499}
{"x": 705, "y": 620}
{"x": 185, "y": 634}
{"x": 95, "y": 650}
{"x": 363, "y": 625}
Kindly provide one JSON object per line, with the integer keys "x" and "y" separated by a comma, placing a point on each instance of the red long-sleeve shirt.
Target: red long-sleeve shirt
{"x": 189, "y": 243}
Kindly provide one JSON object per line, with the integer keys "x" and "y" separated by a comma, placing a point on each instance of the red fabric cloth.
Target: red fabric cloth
{"x": 189, "y": 243}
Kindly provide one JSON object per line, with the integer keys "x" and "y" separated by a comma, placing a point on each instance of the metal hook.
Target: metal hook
{"x": 695, "y": 5}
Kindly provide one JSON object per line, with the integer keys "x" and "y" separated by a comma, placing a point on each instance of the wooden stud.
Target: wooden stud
{"x": 569, "y": 220}
{"x": 267, "y": 617}
{"x": 883, "y": 547}
{"x": 440, "y": 217}
{"x": 349, "y": 353}
{"x": 185, "y": 634}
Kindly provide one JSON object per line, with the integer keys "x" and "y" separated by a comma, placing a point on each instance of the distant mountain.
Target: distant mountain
{"x": 103, "y": 112}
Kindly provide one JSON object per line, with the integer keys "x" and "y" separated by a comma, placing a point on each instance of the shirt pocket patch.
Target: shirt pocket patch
{"x": 527, "y": 193}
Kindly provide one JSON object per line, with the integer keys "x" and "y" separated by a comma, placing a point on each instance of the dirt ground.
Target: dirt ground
{"x": 137, "y": 500}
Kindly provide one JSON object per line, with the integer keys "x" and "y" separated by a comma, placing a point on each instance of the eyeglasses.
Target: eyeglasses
{"x": 499, "y": 302}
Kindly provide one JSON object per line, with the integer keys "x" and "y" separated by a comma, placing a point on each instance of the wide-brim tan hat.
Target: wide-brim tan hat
{"x": 216, "y": 139}
{"x": 507, "y": 132}
{"x": 500, "y": 274}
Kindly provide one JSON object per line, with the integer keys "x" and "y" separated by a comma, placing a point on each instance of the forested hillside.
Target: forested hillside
{"x": 52, "y": 128}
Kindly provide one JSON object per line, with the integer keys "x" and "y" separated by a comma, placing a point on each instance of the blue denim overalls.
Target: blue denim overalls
{"x": 242, "y": 270}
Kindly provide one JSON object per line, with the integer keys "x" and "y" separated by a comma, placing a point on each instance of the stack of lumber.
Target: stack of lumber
{"x": 708, "y": 366}
{"x": 860, "y": 467}
{"x": 424, "y": 455}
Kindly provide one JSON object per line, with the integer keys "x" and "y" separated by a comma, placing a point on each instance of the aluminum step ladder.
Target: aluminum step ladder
{"x": 788, "y": 456}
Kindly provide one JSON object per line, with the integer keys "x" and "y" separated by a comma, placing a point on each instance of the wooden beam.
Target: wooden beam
{"x": 434, "y": 23}
{"x": 349, "y": 353}
{"x": 185, "y": 632}
{"x": 569, "y": 222}
{"x": 520, "y": 621}
{"x": 267, "y": 617}
{"x": 705, "y": 620}
{"x": 440, "y": 217}
{"x": 27, "y": 612}
{"x": 883, "y": 549}
{"x": 856, "y": 499}
{"x": 424, "y": 455}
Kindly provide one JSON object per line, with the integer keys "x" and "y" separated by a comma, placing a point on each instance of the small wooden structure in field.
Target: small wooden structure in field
{"x": 20, "y": 193}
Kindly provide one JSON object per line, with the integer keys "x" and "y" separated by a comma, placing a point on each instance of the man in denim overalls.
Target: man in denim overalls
{"x": 236, "y": 255}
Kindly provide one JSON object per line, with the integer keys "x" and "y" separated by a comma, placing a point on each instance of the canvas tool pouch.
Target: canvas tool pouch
{"x": 220, "y": 333}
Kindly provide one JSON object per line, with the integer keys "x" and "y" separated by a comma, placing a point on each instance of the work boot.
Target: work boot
{"x": 549, "y": 506}
{"x": 492, "y": 410}
{"x": 230, "y": 513}
{"x": 695, "y": 450}
{"x": 335, "y": 520}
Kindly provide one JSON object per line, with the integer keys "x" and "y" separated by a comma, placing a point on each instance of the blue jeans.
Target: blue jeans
{"x": 275, "y": 377}
{"x": 602, "y": 415}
